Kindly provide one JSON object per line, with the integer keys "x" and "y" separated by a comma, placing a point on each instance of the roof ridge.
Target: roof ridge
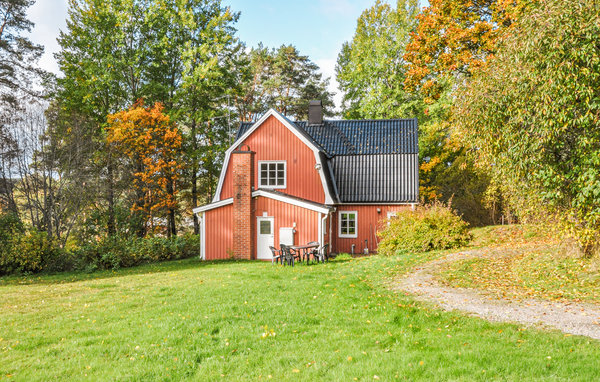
{"x": 363, "y": 120}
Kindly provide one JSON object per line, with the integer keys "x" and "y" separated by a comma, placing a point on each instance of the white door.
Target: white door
{"x": 265, "y": 237}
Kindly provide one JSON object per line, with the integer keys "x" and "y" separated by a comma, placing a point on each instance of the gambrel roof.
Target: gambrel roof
{"x": 359, "y": 137}
{"x": 365, "y": 161}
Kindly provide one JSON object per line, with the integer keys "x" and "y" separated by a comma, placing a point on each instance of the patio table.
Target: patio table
{"x": 306, "y": 249}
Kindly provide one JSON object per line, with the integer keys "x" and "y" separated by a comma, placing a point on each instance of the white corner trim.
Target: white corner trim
{"x": 211, "y": 206}
{"x": 294, "y": 130}
{"x": 340, "y": 224}
{"x": 202, "y": 236}
{"x": 328, "y": 198}
{"x": 290, "y": 200}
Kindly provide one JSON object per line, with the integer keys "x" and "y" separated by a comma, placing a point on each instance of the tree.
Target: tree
{"x": 17, "y": 53}
{"x": 531, "y": 115}
{"x": 148, "y": 138}
{"x": 48, "y": 176}
{"x": 283, "y": 79}
{"x": 171, "y": 51}
{"x": 17, "y": 73}
{"x": 453, "y": 38}
{"x": 101, "y": 59}
{"x": 209, "y": 77}
{"x": 371, "y": 69}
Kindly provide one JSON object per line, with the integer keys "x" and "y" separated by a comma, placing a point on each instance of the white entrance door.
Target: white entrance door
{"x": 265, "y": 237}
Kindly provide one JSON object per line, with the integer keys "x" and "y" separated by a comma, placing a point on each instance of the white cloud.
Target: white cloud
{"x": 49, "y": 17}
{"x": 327, "y": 66}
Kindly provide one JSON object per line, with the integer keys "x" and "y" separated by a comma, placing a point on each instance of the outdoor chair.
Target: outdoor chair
{"x": 276, "y": 255}
{"x": 321, "y": 254}
{"x": 288, "y": 255}
{"x": 309, "y": 254}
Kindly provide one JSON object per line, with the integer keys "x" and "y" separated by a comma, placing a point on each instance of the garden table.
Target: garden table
{"x": 305, "y": 249}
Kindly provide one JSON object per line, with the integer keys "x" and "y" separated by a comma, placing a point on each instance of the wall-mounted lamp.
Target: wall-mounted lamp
{"x": 378, "y": 210}
{"x": 317, "y": 166}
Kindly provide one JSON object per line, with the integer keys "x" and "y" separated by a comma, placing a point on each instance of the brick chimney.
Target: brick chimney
{"x": 242, "y": 161}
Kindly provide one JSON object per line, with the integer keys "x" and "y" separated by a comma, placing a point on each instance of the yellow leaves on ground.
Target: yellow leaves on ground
{"x": 519, "y": 270}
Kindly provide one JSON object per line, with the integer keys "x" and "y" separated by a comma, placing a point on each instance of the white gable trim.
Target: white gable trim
{"x": 279, "y": 197}
{"x": 291, "y": 200}
{"x": 212, "y": 206}
{"x": 294, "y": 130}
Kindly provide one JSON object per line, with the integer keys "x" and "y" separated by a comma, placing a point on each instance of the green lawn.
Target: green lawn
{"x": 254, "y": 321}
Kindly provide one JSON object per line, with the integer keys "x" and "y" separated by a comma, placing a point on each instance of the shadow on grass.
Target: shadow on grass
{"x": 160, "y": 267}
{"x": 75, "y": 276}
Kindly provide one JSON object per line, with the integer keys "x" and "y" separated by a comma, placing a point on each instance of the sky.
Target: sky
{"x": 318, "y": 28}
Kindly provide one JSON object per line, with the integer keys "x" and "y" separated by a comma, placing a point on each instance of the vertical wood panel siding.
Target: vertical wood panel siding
{"x": 369, "y": 222}
{"x": 273, "y": 141}
{"x": 219, "y": 232}
{"x": 285, "y": 215}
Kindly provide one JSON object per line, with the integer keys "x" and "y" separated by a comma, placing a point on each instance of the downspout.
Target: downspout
{"x": 321, "y": 229}
{"x": 330, "y": 230}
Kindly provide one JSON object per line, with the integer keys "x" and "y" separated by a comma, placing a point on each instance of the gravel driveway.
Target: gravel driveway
{"x": 573, "y": 318}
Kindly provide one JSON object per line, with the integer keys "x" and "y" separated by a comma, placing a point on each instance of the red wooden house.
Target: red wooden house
{"x": 318, "y": 180}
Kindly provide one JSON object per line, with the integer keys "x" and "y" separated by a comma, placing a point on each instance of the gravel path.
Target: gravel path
{"x": 573, "y": 318}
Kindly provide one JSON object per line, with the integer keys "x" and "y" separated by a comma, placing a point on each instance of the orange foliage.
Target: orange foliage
{"x": 455, "y": 37}
{"x": 148, "y": 138}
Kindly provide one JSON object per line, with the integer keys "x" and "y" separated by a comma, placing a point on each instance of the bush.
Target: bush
{"x": 117, "y": 252}
{"x": 428, "y": 228}
{"x": 30, "y": 251}
{"x": 11, "y": 229}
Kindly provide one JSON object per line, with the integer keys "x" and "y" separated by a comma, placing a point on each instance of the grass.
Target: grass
{"x": 532, "y": 266}
{"x": 253, "y": 321}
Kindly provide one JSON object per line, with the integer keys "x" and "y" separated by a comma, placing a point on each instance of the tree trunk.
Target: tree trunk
{"x": 171, "y": 228}
{"x": 195, "y": 177}
{"x": 110, "y": 196}
{"x": 141, "y": 229}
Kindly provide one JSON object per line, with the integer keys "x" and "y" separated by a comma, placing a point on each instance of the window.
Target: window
{"x": 390, "y": 215}
{"x": 348, "y": 224}
{"x": 265, "y": 227}
{"x": 271, "y": 174}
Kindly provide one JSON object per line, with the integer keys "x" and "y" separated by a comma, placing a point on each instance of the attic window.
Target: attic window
{"x": 272, "y": 174}
{"x": 348, "y": 224}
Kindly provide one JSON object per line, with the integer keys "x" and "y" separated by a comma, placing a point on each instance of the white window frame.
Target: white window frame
{"x": 340, "y": 234}
{"x": 390, "y": 215}
{"x": 261, "y": 162}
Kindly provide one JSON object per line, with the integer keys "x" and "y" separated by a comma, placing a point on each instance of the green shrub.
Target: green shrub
{"x": 30, "y": 251}
{"x": 118, "y": 252}
{"x": 37, "y": 252}
{"x": 428, "y": 228}
{"x": 11, "y": 229}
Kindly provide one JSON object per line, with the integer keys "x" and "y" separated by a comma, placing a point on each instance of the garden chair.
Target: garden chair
{"x": 311, "y": 253}
{"x": 321, "y": 254}
{"x": 276, "y": 255}
{"x": 288, "y": 255}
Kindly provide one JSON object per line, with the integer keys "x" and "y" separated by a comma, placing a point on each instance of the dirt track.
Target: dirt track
{"x": 573, "y": 318}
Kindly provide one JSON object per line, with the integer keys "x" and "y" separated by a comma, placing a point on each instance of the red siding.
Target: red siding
{"x": 285, "y": 215}
{"x": 273, "y": 141}
{"x": 369, "y": 222}
{"x": 219, "y": 233}
{"x": 219, "y": 226}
